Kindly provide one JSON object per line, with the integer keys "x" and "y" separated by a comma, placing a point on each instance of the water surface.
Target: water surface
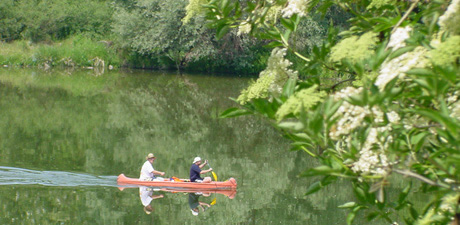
{"x": 65, "y": 136}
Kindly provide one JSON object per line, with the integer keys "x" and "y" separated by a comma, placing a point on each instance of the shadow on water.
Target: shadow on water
{"x": 19, "y": 176}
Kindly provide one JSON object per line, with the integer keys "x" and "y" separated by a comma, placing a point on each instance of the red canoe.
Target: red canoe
{"x": 229, "y": 184}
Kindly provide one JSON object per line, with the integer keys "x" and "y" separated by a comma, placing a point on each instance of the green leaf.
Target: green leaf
{"x": 400, "y": 52}
{"x": 289, "y": 87}
{"x": 348, "y": 205}
{"x": 351, "y": 217}
{"x": 404, "y": 193}
{"x": 320, "y": 170}
{"x": 221, "y": 31}
{"x": 289, "y": 24}
{"x": 314, "y": 188}
{"x": 234, "y": 112}
{"x": 273, "y": 44}
{"x": 442, "y": 119}
{"x": 291, "y": 125}
{"x": 420, "y": 71}
{"x": 371, "y": 216}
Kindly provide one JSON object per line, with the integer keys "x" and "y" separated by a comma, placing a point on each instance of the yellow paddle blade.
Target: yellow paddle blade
{"x": 214, "y": 175}
{"x": 213, "y": 202}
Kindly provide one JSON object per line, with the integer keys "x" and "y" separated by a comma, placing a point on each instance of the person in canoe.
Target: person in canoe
{"x": 146, "y": 195}
{"x": 195, "y": 171}
{"x": 148, "y": 172}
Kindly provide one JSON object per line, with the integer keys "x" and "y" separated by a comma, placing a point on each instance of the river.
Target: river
{"x": 65, "y": 136}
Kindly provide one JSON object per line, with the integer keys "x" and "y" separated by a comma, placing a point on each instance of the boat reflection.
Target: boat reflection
{"x": 147, "y": 194}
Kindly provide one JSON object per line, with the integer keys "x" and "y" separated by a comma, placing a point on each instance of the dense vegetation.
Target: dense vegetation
{"x": 397, "y": 117}
{"x": 143, "y": 34}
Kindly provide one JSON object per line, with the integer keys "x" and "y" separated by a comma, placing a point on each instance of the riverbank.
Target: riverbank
{"x": 83, "y": 52}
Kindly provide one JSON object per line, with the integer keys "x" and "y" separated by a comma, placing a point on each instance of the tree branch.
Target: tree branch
{"x": 420, "y": 177}
{"x": 405, "y": 15}
{"x": 341, "y": 82}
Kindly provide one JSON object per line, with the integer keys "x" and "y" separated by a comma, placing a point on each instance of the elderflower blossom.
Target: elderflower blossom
{"x": 379, "y": 3}
{"x": 393, "y": 117}
{"x": 398, "y": 38}
{"x": 372, "y": 161}
{"x": 455, "y": 110}
{"x": 244, "y": 28}
{"x": 272, "y": 79}
{"x": 305, "y": 98}
{"x": 446, "y": 52}
{"x": 295, "y": 7}
{"x": 351, "y": 116}
{"x": 354, "y": 48}
{"x": 450, "y": 20}
{"x": 397, "y": 67}
{"x": 193, "y": 9}
{"x": 449, "y": 203}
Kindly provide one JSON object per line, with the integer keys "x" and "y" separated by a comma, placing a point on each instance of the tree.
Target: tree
{"x": 155, "y": 27}
{"x": 394, "y": 112}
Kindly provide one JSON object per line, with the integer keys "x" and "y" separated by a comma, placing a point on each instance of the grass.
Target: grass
{"x": 77, "y": 51}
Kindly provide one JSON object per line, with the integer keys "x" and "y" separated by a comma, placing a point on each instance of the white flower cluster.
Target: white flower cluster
{"x": 454, "y": 105}
{"x": 372, "y": 159}
{"x": 277, "y": 66}
{"x": 298, "y": 7}
{"x": 450, "y": 20}
{"x": 350, "y": 115}
{"x": 399, "y": 65}
{"x": 398, "y": 38}
{"x": 393, "y": 117}
{"x": 244, "y": 28}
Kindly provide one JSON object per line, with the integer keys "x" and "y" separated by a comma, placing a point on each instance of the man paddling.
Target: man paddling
{"x": 195, "y": 171}
{"x": 148, "y": 172}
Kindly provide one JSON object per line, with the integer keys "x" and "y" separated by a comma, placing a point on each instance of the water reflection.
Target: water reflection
{"x": 147, "y": 195}
{"x": 103, "y": 125}
{"x": 195, "y": 204}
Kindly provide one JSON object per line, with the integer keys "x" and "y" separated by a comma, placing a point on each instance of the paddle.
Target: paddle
{"x": 213, "y": 174}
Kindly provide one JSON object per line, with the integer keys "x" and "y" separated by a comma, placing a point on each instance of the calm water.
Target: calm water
{"x": 65, "y": 136}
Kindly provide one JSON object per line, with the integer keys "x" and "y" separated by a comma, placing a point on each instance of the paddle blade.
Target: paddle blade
{"x": 214, "y": 175}
{"x": 213, "y": 202}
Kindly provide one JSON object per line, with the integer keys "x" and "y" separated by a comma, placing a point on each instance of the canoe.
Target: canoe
{"x": 228, "y": 184}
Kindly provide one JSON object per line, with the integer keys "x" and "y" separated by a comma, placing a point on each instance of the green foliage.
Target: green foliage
{"x": 354, "y": 48}
{"x": 76, "y": 51}
{"x": 402, "y": 123}
{"x": 301, "y": 100}
{"x": 447, "y": 52}
{"x": 53, "y": 19}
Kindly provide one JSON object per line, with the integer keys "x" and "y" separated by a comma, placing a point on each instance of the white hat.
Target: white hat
{"x": 196, "y": 159}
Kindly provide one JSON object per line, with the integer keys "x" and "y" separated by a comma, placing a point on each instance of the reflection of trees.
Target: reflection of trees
{"x": 107, "y": 126}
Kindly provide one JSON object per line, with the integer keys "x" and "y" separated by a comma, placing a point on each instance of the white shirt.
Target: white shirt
{"x": 145, "y": 195}
{"x": 147, "y": 171}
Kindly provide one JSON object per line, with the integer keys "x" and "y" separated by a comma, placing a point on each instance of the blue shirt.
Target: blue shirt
{"x": 195, "y": 172}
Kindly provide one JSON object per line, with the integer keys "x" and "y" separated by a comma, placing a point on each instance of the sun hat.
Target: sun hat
{"x": 196, "y": 159}
{"x": 150, "y": 155}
